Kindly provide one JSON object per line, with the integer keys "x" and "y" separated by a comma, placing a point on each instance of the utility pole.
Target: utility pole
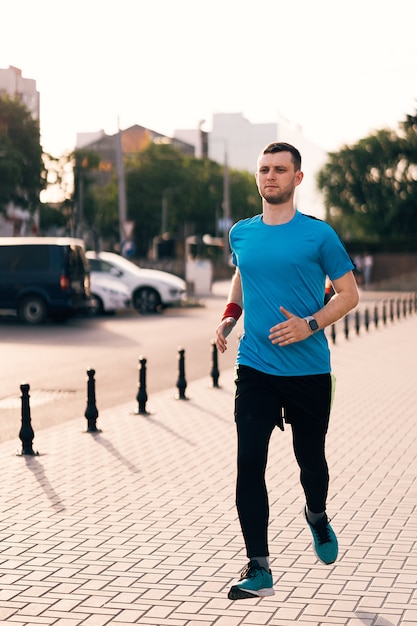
{"x": 79, "y": 229}
{"x": 164, "y": 211}
{"x": 226, "y": 206}
{"x": 121, "y": 187}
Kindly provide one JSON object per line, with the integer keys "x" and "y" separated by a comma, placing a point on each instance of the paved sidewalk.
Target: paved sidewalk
{"x": 137, "y": 524}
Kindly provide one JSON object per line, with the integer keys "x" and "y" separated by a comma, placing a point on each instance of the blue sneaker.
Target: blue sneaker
{"x": 254, "y": 582}
{"x": 325, "y": 540}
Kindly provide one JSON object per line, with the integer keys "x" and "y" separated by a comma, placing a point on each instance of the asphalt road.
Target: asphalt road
{"x": 54, "y": 358}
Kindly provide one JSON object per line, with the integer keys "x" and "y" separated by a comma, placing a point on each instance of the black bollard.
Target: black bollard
{"x": 391, "y": 310}
{"x": 91, "y": 412}
{"x": 214, "y": 365}
{"x": 376, "y": 316}
{"x": 26, "y": 433}
{"x": 357, "y": 322}
{"x": 398, "y": 308}
{"x": 333, "y": 330}
{"x": 367, "y": 319}
{"x": 346, "y": 325}
{"x": 181, "y": 382}
{"x": 404, "y": 308}
{"x": 384, "y": 312}
{"x": 142, "y": 395}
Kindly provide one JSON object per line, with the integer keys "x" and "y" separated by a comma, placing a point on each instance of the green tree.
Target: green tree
{"x": 86, "y": 163}
{"x": 157, "y": 170}
{"x": 58, "y": 211}
{"x": 370, "y": 188}
{"x": 190, "y": 189}
{"x": 22, "y": 174}
{"x": 166, "y": 191}
{"x": 107, "y": 212}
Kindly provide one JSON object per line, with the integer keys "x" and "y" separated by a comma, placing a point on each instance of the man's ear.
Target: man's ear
{"x": 299, "y": 177}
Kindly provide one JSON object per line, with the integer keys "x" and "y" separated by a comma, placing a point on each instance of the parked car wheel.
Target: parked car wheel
{"x": 96, "y": 307}
{"x": 32, "y": 310}
{"x": 146, "y": 300}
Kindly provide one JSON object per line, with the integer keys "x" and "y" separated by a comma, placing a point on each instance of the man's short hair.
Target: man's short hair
{"x": 282, "y": 146}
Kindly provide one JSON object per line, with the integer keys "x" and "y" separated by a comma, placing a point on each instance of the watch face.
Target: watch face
{"x": 313, "y": 325}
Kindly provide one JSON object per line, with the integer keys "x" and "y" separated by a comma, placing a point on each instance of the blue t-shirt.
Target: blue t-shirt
{"x": 285, "y": 265}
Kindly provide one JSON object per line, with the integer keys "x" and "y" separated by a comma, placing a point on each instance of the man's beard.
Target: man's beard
{"x": 281, "y": 198}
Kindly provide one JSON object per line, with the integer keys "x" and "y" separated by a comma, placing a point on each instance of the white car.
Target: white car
{"x": 150, "y": 290}
{"x": 108, "y": 295}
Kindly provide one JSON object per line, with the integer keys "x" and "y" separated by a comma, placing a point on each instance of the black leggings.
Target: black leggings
{"x": 262, "y": 402}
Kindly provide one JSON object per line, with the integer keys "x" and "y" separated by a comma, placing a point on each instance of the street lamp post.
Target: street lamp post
{"x": 164, "y": 211}
{"x": 121, "y": 187}
{"x": 226, "y": 206}
{"x": 225, "y": 222}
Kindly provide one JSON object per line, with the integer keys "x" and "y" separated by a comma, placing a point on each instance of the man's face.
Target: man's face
{"x": 276, "y": 177}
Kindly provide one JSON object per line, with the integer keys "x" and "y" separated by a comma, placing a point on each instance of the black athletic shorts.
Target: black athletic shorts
{"x": 298, "y": 400}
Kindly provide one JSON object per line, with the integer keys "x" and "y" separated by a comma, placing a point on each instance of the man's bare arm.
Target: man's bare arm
{"x": 227, "y": 324}
{"x": 345, "y": 298}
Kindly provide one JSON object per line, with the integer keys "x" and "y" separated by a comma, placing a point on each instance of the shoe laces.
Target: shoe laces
{"x": 321, "y": 529}
{"x": 249, "y": 571}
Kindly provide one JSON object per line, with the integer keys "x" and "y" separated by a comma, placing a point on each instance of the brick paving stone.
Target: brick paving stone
{"x": 410, "y": 616}
{"x": 68, "y": 622}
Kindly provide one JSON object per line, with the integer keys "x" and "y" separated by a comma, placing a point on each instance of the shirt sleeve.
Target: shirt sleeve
{"x": 335, "y": 258}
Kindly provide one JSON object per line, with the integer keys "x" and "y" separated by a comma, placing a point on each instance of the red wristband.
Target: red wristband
{"x": 232, "y": 310}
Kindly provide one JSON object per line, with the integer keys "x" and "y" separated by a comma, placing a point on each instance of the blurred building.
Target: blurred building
{"x": 133, "y": 140}
{"x": 235, "y": 140}
{"x": 18, "y": 221}
{"x": 13, "y": 84}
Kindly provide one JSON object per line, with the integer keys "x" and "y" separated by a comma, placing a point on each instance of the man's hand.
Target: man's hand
{"x": 292, "y": 330}
{"x": 222, "y": 331}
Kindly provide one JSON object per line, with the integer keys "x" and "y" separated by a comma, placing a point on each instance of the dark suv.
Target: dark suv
{"x": 43, "y": 276}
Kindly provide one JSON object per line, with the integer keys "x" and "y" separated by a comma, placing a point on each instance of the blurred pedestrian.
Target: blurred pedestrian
{"x": 358, "y": 271}
{"x": 367, "y": 265}
{"x": 283, "y": 374}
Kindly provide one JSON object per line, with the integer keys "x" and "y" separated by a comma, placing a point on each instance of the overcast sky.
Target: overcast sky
{"x": 339, "y": 69}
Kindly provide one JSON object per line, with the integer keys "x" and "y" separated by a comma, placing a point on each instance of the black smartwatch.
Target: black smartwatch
{"x": 312, "y": 324}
